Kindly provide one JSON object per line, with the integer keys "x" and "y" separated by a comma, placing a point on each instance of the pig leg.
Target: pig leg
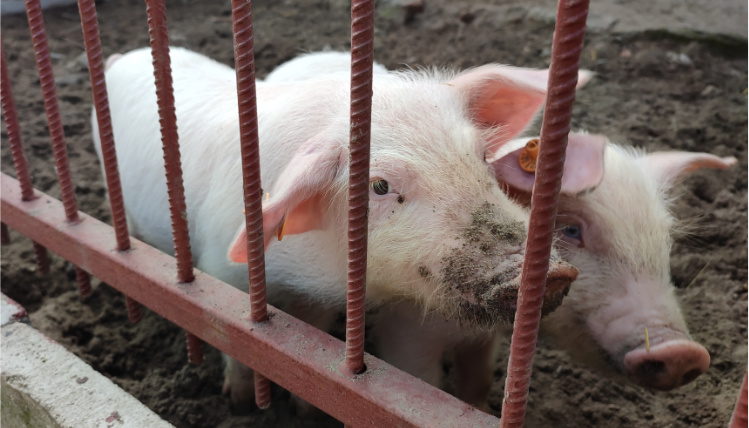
{"x": 239, "y": 385}
{"x": 474, "y": 364}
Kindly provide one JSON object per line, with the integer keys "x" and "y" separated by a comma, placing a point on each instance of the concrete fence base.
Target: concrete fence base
{"x": 44, "y": 385}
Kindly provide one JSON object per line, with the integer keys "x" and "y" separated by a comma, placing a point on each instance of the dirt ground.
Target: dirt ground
{"x": 651, "y": 90}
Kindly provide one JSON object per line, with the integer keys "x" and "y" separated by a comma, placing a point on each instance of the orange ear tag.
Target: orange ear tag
{"x": 528, "y": 156}
{"x": 280, "y": 231}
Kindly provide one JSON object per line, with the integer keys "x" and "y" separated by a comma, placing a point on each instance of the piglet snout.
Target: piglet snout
{"x": 667, "y": 365}
{"x": 558, "y": 280}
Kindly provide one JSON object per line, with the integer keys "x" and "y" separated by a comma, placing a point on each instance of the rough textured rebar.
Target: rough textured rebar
{"x": 54, "y": 123}
{"x": 566, "y": 48}
{"x": 362, "y": 56}
{"x": 194, "y": 348}
{"x": 42, "y": 258}
{"x": 133, "y": 310}
{"x": 14, "y": 133}
{"x": 91, "y": 39}
{"x": 20, "y": 162}
{"x": 244, "y": 62}
{"x": 49, "y": 94}
{"x": 739, "y": 418}
{"x": 262, "y": 391}
{"x": 4, "y": 234}
{"x": 162, "y": 70}
{"x": 156, "y": 11}
{"x": 94, "y": 55}
{"x": 84, "y": 282}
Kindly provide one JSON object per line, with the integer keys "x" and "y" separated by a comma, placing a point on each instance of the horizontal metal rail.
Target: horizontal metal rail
{"x": 289, "y": 352}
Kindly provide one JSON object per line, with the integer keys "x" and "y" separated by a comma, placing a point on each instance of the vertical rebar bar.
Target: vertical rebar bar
{"x": 4, "y": 234}
{"x": 157, "y": 30}
{"x": 14, "y": 133}
{"x": 52, "y": 109}
{"x": 566, "y": 48}
{"x": 362, "y": 57}
{"x": 194, "y": 349}
{"x": 244, "y": 61}
{"x": 739, "y": 418}
{"x": 19, "y": 159}
{"x": 94, "y": 55}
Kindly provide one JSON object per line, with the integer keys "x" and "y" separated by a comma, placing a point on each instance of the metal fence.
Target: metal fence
{"x": 339, "y": 378}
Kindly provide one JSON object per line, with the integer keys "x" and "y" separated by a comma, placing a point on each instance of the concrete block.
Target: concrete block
{"x": 44, "y": 385}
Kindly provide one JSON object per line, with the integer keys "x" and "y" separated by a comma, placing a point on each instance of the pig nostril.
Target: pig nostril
{"x": 651, "y": 369}
{"x": 690, "y": 376}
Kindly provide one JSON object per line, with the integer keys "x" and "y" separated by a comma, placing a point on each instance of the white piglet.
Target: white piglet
{"x": 619, "y": 237}
{"x": 441, "y": 232}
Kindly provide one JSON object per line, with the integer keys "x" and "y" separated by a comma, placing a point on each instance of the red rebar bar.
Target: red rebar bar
{"x": 362, "y": 56}
{"x": 194, "y": 349}
{"x": 94, "y": 55}
{"x": 566, "y": 48}
{"x": 293, "y": 354}
{"x": 42, "y": 258}
{"x": 157, "y": 30}
{"x": 14, "y": 133}
{"x": 19, "y": 158}
{"x": 52, "y": 109}
{"x": 739, "y": 418}
{"x": 244, "y": 61}
{"x": 4, "y": 234}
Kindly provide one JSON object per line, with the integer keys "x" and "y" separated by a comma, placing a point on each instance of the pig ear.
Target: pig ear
{"x": 299, "y": 199}
{"x": 583, "y": 166}
{"x": 670, "y": 166}
{"x": 509, "y": 97}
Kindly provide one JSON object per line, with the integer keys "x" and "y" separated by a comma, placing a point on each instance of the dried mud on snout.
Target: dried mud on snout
{"x": 485, "y": 270}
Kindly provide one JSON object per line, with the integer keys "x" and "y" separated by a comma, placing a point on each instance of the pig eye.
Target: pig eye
{"x": 380, "y": 187}
{"x": 573, "y": 231}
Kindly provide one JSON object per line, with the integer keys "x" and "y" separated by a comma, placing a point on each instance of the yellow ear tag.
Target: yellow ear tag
{"x": 267, "y": 195}
{"x": 528, "y": 156}
{"x": 280, "y": 231}
{"x": 647, "y": 340}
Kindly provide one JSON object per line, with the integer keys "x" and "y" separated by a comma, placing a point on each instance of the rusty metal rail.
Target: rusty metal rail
{"x": 291, "y": 353}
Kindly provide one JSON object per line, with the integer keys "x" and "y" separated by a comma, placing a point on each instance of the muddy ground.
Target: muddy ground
{"x": 652, "y": 90}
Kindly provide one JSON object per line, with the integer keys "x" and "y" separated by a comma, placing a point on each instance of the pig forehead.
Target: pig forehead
{"x": 628, "y": 213}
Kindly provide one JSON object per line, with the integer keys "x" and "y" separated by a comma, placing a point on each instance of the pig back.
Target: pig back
{"x": 208, "y": 127}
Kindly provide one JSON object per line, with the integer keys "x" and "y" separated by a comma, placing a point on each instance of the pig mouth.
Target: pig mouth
{"x": 493, "y": 303}
{"x": 482, "y": 276}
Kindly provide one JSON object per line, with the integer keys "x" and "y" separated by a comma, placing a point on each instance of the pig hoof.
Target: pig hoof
{"x": 667, "y": 365}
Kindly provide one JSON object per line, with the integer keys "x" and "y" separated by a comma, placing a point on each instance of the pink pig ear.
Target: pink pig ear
{"x": 505, "y": 96}
{"x": 670, "y": 166}
{"x": 583, "y": 166}
{"x": 300, "y": 197}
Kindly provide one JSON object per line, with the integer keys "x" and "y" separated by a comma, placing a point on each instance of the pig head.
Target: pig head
{"x": 619, "y": 237}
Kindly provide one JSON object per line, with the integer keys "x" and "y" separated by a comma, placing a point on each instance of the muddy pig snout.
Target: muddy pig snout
{"x": 666, "y": 365}
{"x": 558, "y": 280}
